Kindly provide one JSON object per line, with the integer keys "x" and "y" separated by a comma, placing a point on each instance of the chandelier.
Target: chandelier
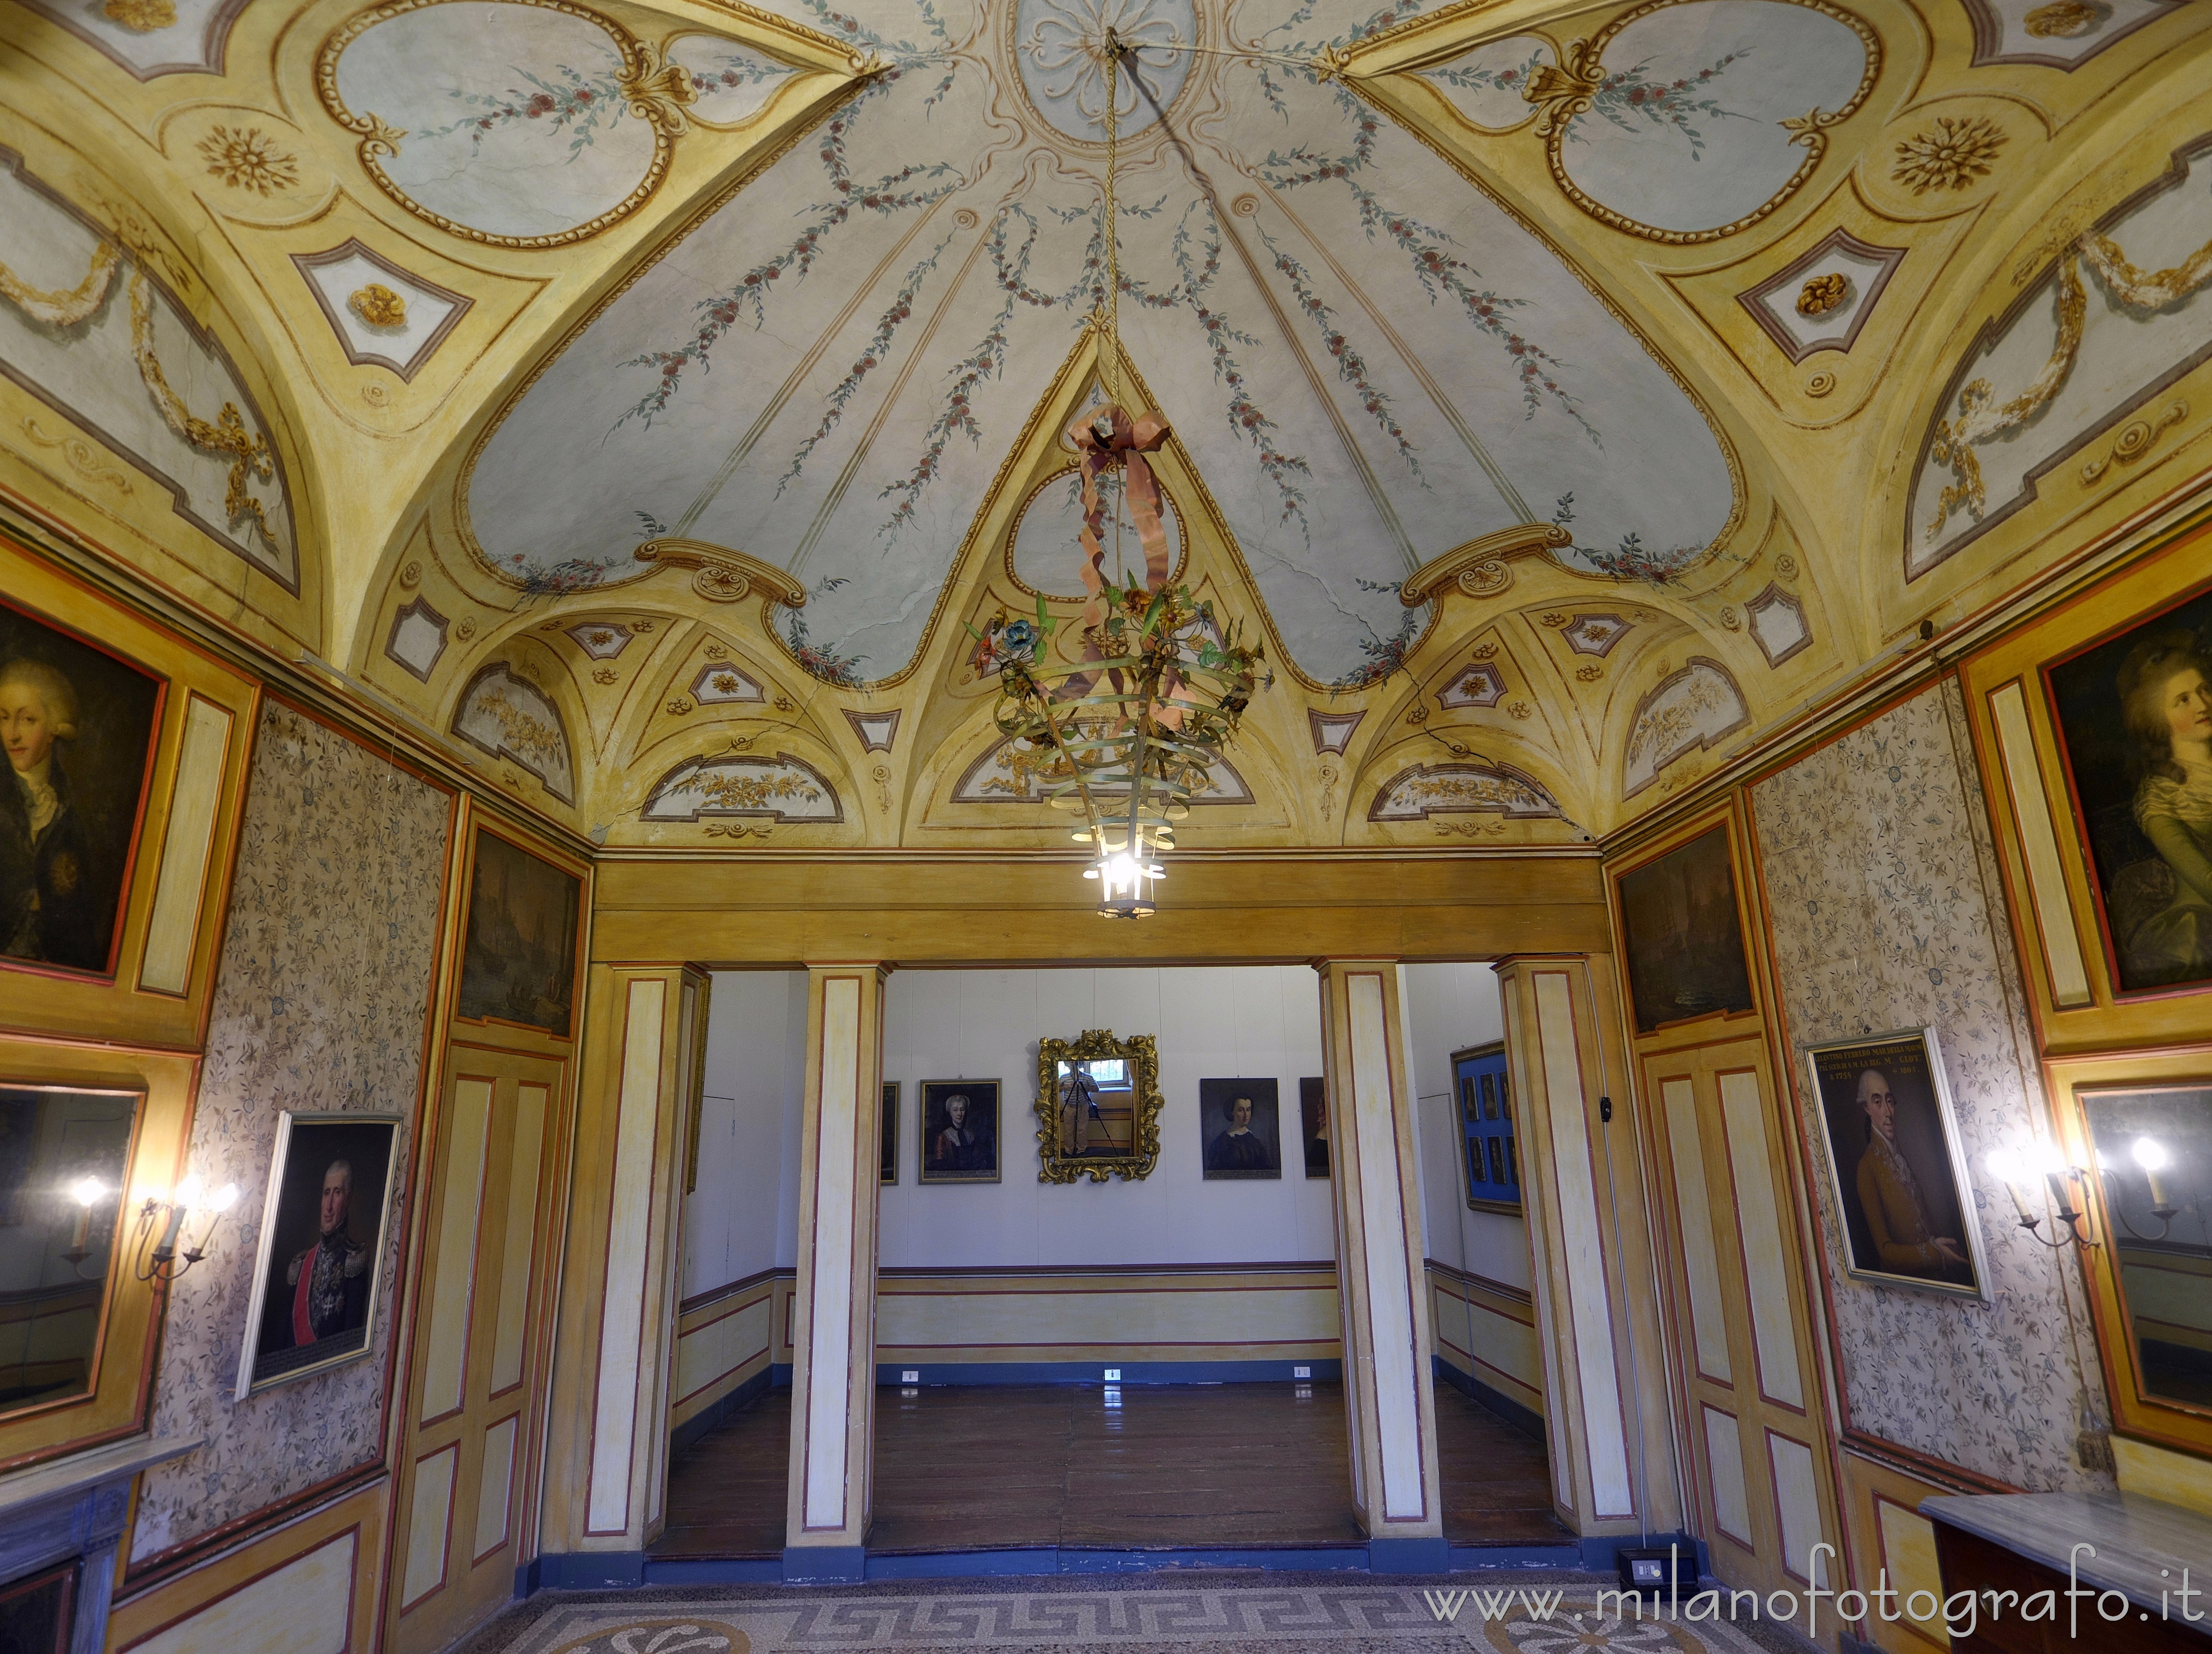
{"x": 1130, "y": 721}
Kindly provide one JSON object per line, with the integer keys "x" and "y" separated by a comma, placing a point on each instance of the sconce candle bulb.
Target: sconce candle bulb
{"x": 2150, "y": 1154}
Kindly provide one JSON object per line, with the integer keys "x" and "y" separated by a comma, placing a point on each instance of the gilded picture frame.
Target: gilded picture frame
{"x": 290, "y": 1330}
{"x": 1882, "y": 1105}
{"x": 1098, "y": 1107}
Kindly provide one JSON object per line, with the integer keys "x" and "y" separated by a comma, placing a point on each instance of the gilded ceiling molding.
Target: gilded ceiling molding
{"x": 725, "y": 576}
{"x": 1479, "y": 569}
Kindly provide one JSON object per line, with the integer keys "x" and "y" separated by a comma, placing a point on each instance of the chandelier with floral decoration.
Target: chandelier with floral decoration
{"x": 1155, "y": 685}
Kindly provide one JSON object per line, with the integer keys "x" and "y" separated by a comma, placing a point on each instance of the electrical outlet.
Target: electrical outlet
{"x": 908, "y": 1376}
{"x": 1301, "y": 1372}
{"x": 1113, "y": 1375}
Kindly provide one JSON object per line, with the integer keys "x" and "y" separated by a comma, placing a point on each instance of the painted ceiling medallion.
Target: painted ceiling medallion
{"x": 714, "y": 685}
{"x": 2055, "y": 33}
{"x": 150, "y": 37}
{"x": 382, "y": 314}
{"x": 509, "y": 717}
{"x": 1367, "y": 363}
{"x": 1685, "y": 712}
{"x": 877, "y": 730}
{"x": 1332, "y": 731}
{"x": 1480, "y": 684}
{"x": 1681, "y": 120}
{"x": 782, "y": 788}
{"x": 1778, "y": 624}
{"x": 1427, "y": 790}
{"x": 1821, "y": 300}
{"x": 1594, "y": 633}
{"x": 524, "y": 123}
{"x": 602, "y": 640}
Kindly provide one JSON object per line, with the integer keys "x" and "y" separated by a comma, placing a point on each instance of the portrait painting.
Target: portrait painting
{"x": 1239, "y": 1129}
{"x": 889, "y": 1124}
{"x": 2134, "y": 715}
{"x": 959, "y": 1131}
{"x": 1684, "y": 945}
{"x": 1313, "y": 1124}
{"x": 78, "y": 725}
{"x": 1898, "y": 1173}
{"x": 519, "y": 963}
{"x": 322, "y": 1234}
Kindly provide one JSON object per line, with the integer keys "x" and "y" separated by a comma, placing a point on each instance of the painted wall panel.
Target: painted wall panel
{"x": 185, "y": 845}
{"x": 1724, "y": 1459}
{"x": 523, "y": 1153}
{"x": 1763, "y": 1257}
{"x": 429, "y": 1520}
{"x": 299, "y": 1609}
{"x": 1700, "y": 1258}
{"x": 460, "y": 1204}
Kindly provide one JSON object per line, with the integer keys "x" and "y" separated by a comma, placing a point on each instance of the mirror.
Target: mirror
{"x": 2154, "y": 1155}
{"x": 65, "y": 1154}
{"x": 1098, "y": 1107}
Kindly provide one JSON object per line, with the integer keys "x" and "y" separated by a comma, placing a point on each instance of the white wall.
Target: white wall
{"x": 744, "y": 1217}
{"x": 1230, "y": 1022}
{"x": 1449, "y": 1007}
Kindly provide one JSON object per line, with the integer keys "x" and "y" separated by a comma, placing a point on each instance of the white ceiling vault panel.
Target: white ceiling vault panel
{"x": 1367, "y": 360}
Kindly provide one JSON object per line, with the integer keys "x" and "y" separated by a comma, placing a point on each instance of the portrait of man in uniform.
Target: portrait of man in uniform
{"x": 1898, "y": 1173}
{"x": 321, "y": 1243}
{"x": 1240, "y": 1124}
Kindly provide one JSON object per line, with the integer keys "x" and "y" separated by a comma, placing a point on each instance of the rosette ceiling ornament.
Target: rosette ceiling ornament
{"x": 1132, "y": 729}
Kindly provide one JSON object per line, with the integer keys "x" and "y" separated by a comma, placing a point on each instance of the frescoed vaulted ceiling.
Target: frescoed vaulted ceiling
{"x": 648, "y": 399}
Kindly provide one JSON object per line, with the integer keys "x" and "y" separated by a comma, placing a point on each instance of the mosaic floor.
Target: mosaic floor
{"x": 1513, "y": 1613}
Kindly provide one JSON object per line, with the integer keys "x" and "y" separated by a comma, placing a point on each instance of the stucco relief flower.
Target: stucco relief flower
{"x": 377, "y": 305}
{"x": 140, "y": 16}
{"x": 248, "y": 158}
{"x": 1958, "y": 151}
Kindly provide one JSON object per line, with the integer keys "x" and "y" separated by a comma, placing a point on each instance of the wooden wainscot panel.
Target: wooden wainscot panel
{"x": 148, "y": 760}
{"x": 2116, "y": 945}
{"x": 119, "y": 1365}
{"x": 765, "y": 908}
{"x": 1888, "y": 1536}
{"x": 308, "y": 1588}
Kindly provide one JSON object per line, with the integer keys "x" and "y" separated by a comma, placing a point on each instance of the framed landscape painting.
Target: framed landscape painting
{"x": 1684, "y": 942}
{"x": 519, "y": 965}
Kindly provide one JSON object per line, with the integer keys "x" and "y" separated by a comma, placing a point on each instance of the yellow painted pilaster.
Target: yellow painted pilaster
{"x": 1388, "y": 1346}
{"x": 833, "y": 1376}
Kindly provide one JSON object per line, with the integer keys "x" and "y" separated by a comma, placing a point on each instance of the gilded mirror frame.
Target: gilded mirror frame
{"x": 1061, "y": 1163}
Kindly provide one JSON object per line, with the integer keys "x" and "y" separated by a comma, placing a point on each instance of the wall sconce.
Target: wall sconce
{"x": 163, "y": 1263}
{"x": 2152, "y": 1157}
{"x": 2018, "y": 1173}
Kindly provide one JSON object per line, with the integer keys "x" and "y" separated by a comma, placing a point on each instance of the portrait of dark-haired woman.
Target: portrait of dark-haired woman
{"x": 2161, "y": 905}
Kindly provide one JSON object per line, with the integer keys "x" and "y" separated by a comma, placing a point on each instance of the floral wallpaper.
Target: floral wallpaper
{"x": 1885, "y": 909}
{"x": 321, "y": 1001}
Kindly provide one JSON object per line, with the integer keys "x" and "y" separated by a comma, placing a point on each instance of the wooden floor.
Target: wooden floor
{"x": 1243, "y": 1465}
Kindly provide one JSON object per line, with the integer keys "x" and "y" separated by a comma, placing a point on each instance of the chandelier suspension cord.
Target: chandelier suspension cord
{"x": 1113, "y": 377}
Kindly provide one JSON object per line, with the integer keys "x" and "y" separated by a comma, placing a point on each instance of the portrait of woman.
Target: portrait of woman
{"x": 2135, "y": 717}
{"x": 76, "y": 726}
{"x": 959, "y": 1131}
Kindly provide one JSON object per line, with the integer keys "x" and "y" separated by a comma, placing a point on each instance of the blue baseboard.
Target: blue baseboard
{"x": 727, "y": 1407}
{"x": 1601, "y": 1552}
{"x": 581, "y": 1571}
{"x": 1410, "y": 1556}
{"x": 1093, "y": 1372}
{"x": 824, "y": 1564}
{"x": 1496, "y": 1400}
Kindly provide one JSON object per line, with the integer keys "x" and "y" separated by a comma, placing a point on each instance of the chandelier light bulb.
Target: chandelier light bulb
{"x": 87, "y": 1191}
{"x": 2151, "y": 1155}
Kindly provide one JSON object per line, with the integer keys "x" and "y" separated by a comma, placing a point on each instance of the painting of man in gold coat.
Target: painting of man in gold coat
{"x": 1900, "y": 1177}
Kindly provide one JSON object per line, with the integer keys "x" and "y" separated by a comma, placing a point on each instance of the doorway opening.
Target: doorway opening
{"x": 1128, "y": 1365}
